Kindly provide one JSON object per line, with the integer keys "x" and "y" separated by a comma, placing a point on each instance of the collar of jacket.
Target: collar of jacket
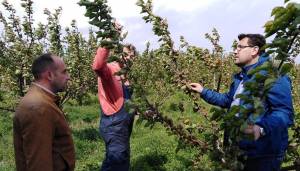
{"x": 243, "y": 75}
{"x": 52, "y": 96}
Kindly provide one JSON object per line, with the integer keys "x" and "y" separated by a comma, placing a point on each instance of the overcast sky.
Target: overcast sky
{"x": 189, "y": 18}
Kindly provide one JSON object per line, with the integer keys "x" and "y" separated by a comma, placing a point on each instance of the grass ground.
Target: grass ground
{"x": 151, "y": 149}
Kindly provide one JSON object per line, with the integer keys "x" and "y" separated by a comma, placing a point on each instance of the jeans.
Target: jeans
{"x": 263, "y": 164}
{"x": 115, "y": 131}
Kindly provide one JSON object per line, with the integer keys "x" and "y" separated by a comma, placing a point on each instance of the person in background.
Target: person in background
{"x": 266, "y": 151}
{"x": 42, "y": 137}
{"x": 115, "y": 123}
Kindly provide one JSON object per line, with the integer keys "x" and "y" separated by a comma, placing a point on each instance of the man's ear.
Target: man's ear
{"x": 255, "y": 51}
{"x": 48, "y": 75}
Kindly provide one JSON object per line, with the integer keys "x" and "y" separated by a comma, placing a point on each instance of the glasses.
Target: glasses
{"x": 239, "y": 47}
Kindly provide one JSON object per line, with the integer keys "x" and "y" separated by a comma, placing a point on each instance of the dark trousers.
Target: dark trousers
{"x": 263, "y": 164}
{"x": 115, "y": 131}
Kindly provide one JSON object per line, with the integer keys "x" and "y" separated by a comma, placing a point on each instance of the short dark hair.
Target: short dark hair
{"x": 255, "y": 40}
{"x": 131, "y": 48}
{"x": 41, "y": 64}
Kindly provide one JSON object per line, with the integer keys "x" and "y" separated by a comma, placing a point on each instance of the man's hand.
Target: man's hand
{"x": 253, "y": 129}
{"x": 196, "y": 87}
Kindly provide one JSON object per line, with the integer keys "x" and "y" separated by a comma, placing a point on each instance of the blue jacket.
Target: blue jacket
{"x": 277, "y": 117}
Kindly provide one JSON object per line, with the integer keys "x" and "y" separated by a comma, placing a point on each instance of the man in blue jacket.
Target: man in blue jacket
{"x": 270, "y": 131}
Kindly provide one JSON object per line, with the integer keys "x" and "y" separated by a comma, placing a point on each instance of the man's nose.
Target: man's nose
{"x": 235, "y": 51}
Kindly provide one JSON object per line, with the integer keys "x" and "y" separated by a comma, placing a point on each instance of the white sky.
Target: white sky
{"x": 121, "y": 9}
{"x": 189, "y": 18}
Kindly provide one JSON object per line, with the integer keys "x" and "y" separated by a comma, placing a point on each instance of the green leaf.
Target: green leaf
{"x": 286, "y": 68}
{"x": 281, "y": 42}
{"x": 259, "y": 77}
{"x": 217, "y": 113}
{"x": 121, "y": 72}
{"x": 244, "y": 126}
{"x": 277, "y": 11}
{"x": 268, "y": 26}
{"x": 264, "y": 66}
{"x": 139, "y": 3}
{"x": 270, "y": 81}
{"x": 242, "y": 96}
{"x": 281, "y": 55}
{"x": 297, "y": 6}
{"x": 296, "y": 22}
{"x": 113, "y": 58}
{"x": 85, "y": 3}
{"x": 257, "y": 103}
{"x": 106, "y": 43}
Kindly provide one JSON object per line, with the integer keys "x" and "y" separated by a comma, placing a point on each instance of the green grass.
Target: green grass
{"x": 7, "y": 162}
{"x": 151, "y": 149}
{"x": 155, "y": 150}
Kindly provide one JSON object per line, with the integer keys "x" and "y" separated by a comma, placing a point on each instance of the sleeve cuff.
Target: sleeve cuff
{"x": 261, "y": 124}
{"x": 204, "y": 91}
